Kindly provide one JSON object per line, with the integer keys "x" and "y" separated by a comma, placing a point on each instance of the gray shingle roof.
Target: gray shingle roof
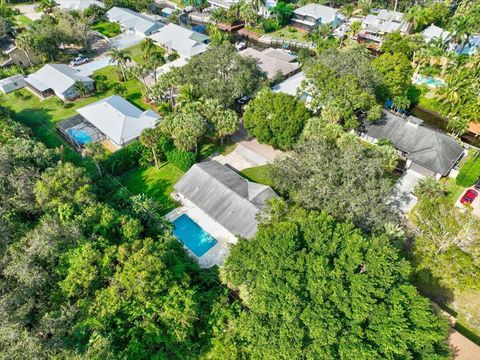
{"x": 225, "y": 196}
{"x": 427, "y": 147}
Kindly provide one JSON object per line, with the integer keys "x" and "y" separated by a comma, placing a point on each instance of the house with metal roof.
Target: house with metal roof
{"x": 308, "y": 16}
{"x": 185, "y": 42}
{"x": 273, "y": 61}
{"x": 427, "y": 151}
{"x": 78, "y": 5}
{"x": 225, "y": 196}
{"x": 435, "y": 33}
{"x": 118, "y": 120}
{"x": 12, "y": 83}
{"x": 129, "y": 20}
{"x": 58, "y": 79}
{"x": 292, "y": 86}
{"x": 376, "y": 26}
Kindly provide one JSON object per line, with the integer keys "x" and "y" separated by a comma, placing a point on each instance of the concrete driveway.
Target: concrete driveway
{"x": 475, "y": 204}
{"x": 126, "y": 40}
{"x": 404, "y": 188}
{"x": 95, "y": 65}
{"x": 29, "y": 11}
{"x": 242, "y": 158}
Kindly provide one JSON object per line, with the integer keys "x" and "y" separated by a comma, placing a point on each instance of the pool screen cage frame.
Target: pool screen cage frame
{"x": 78, "y": 123}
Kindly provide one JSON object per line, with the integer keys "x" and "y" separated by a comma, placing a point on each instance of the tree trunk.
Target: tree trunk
{"x": 155, "y": 157}
{"x": 98, "y": 168}
{"x": 28, "y": 58}
{"x": 123, "y": 72}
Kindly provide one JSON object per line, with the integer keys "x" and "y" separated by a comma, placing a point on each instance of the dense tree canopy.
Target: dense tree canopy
{"x": 275, "y": 118}
{"x": 316, "y": 288}
{"x": 222, "y": 74}
{"x": 343, "y": 177}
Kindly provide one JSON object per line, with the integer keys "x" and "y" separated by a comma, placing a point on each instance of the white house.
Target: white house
{"x": 120, "y": 121}
{"x": 12, "y": 83}
{"x": 129, "y": 20}
{"x": 435, "y": 33}
{"x": 58, "y": 79}
{"x": 79, "y": 5}
{"x": 307, "y": 17}
{"x": 185, "y": 42}
{"x": 376, "y": 26}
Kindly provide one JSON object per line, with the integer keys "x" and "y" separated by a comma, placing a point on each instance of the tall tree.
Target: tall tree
{"x": 149, "y": 138}
{"x": 121, "y": 57}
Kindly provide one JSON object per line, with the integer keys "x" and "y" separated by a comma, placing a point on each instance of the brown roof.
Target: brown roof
{"x": 474, "y": 127}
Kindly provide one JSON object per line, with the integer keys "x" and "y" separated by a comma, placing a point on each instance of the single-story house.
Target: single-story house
{"x": 12, "y": 83}
{"x": 435, "y": 33}
{"x": 120, "y": 121}
{"x": 376, "y": 26}
{"x": 225, "y": 196}
{"x": 58, "y": 79}
{"x": 308, "y": 16}
{"x": 428, "y": 151}
{"x": 185, "y": 42}
{"x": 141, "y": 24}
{"x": 79, "y": 5}
{"x": 273, "y": 61}
{"x": 292, "y": 86}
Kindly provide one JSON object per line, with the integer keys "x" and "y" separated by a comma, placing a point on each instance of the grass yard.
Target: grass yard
{"x": 109, "y": 29}
{"x": 470, "y": 170}
{"x": 157, "y": 183}
{"x": 258, "y": 174}
{"x": 136, "y": 53}
{"x": 208, "y": 149}
{"x": 289, "y": 33}
{"x": 22, "y": 20}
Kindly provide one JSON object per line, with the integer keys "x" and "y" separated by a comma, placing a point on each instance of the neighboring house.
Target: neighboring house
{"x": 471, "y": 48}
{"x": 226, "y": 4}
{"x": 376, "y": 26}
{"x": 435, "y": 33}
{"x": 129, "y": 20}
{"x": 14, "y": 55}
{"x": 58, "y": 79}
{"x": 120, "y": 121}
{"x": 427, "y": 151}
{"x": 12, "y": 83}
{"x": 79, "y": 5}
{"x": 225, "y": 196}
{"x": 307, "y": 17}
{"x": 273, "y": 61}
{"x": 185, "y": 42}
{"x": 292, "y": 86}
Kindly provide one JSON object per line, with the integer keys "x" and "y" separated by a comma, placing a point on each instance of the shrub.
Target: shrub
{"x": 173, "y": 56}
{"x": 124, "y": 159}
{"x": 270, "y": 25}
{"x": 470, "y": 171}
{"x": 181, "y": 159}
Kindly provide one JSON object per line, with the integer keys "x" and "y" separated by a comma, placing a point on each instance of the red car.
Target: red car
{"x": 469, "y": 196}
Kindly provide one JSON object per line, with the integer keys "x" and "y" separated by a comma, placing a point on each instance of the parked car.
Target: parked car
{"x": 477, "y": 184}
{"x": 469, "y": 196}
{"x": 79, "y": 60}
{"x": 240, "y": 45}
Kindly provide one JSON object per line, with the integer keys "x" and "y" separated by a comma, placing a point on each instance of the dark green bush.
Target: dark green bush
{"x": 124, "y": 159}
{"x": 270, "y": 25}
{"x": 181, "y": 159}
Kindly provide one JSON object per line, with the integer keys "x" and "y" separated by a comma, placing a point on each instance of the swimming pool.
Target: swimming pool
{"x": 80, "y": 135}
{"x": 192, "y": 235}
{"x": 430, "y": 81}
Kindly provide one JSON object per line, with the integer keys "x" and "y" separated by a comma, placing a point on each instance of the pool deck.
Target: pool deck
{"x": 218, "y": 253}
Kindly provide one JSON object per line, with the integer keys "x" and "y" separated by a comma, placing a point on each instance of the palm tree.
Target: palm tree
{"x": 47, "y": 6}
{"x": 119, "y": 89}
{"x": 417, "y": 16}
{"x": 429, "y": 187}
{"x": 186, "y": 95}
{"x": 355, "y": 28}
{"x": 154, "y": 61}
{"x": 347, "y": 10}
{"x": 81, "y": 89}
{"x": 24, "y": 42}
{"x": 461, "y": 30}
{"x": 149, "y": 138}
{"x": 97, "y": 152}
{"x": 121, "y": 57}
{"x": 148, "y": 47}
{"x": 138, "y": 72}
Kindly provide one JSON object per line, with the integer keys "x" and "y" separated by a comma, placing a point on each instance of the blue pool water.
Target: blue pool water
{"x": 82, "y": 136}
{"x": 430, "y": 81}
{"x": 192, "y": 235}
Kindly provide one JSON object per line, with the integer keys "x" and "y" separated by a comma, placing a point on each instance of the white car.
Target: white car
{"x": 79, "y": 60}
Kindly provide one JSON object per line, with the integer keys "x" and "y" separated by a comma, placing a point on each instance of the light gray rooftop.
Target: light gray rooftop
{"x": 58, "y": 77}
{"x": 272, "y": 61}
{"x": 184, "y": 41}
{"x": 427, "y": 147}
{"x": 434, "y": 33}
{"x": 316, "y": 11}
{"x": 130, "y": 19}
{"x": 225, "y": 196}
{"x": 78, "y": 4}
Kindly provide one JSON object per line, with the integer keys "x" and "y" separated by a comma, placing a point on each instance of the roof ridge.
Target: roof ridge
{"x": 225, "y": 186}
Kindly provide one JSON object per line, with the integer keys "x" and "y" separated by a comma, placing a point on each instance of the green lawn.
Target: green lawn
{"x": 470, "y": 170}
{"x": 289, "y": 33}
{"x": 157, "y": 183}
{"x": 258, "y": 174}
{"x": 136, "y": 53}
{"x": 109, "y": 29}
{"x": 22, "y": 20}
